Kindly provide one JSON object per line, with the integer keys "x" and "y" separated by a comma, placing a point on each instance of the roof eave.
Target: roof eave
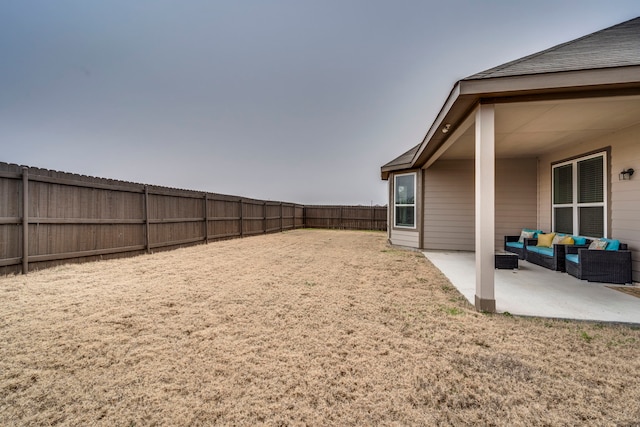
{"x": 468, "y": 93}
{"x": 386, "y": 170}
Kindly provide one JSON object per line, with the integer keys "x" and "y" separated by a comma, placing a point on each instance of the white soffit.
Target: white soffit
{"x": 526, "y": 129}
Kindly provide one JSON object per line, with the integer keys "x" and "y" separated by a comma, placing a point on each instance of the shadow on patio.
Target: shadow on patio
{"x": 536, "y": 291}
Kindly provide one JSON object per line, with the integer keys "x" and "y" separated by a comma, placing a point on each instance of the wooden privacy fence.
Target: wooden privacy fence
{"x": 346, "y": 217}
{"x": 48, "y": 218}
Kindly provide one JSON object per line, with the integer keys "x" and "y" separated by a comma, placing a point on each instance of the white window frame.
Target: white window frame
{"x": 415, "y": 198}
{"x": 575, "y": 206}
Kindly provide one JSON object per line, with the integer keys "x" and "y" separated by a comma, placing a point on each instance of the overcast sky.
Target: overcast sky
{"x": 289, "y": 100}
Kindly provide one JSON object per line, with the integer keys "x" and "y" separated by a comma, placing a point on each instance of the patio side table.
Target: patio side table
{"x": 506, "y": 260}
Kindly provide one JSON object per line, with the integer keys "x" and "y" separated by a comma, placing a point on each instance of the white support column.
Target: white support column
{"x": 485, "y": 208}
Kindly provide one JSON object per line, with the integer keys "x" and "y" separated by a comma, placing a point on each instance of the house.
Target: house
{"x": 510, "y": 147}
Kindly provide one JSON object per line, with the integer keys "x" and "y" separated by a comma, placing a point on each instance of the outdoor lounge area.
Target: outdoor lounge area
{"x": 595, "y": 260}
{"x": 533, "y": 290}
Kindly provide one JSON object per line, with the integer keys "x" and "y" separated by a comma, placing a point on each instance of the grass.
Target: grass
{"x": 310, "y": 327}
{"x": 454, "y": 311}
{"x": 586, "y": 337}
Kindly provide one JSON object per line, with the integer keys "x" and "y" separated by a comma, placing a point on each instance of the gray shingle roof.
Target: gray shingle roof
{"x": 616, "y": 46}
{"x": 404, "y": 158}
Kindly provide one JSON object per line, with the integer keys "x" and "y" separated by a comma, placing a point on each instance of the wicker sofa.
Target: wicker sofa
{"x": 611, "y": 265}
{"x": 553, "y": 257}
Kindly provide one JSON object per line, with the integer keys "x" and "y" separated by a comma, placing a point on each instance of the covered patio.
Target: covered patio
{"x": 532, "y": 290}
{"x": 545, "y": 142}
{"x": 533, "y": 135}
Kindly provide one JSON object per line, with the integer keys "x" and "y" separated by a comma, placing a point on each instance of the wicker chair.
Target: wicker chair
{"x": 599, "y": 265}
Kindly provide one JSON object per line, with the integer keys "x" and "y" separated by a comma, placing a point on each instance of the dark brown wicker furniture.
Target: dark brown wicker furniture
{"x": 513, "y": 249}
{"x": 555, "y": 262}
{"x": 600, "y": 265}
{"x": 506, "y": 260}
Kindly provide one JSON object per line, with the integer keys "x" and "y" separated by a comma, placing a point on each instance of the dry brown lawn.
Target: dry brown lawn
{"x": 308, "y": 327}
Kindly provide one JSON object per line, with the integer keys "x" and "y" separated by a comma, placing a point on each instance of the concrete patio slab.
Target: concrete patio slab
{"x": 536, "y": 291}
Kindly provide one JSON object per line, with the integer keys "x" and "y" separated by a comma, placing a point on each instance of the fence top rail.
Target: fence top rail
{"x": 10, "y": 175}
{"x": 345, "y": 206}
{"x": 14, "y": 171}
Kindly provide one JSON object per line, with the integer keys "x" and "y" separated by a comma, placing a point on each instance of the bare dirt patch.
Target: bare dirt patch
{"x": 309, "y": 327}
{"x": 629, "y": 290}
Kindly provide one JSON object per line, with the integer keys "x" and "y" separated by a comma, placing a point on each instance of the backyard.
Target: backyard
{"x": 306, "y": 327}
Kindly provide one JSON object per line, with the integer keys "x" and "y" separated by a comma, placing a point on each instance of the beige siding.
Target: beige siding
{"x": 390, "y": 207}
{"x": 516, "y": 197}
{"x": 624, "y": 200}
{"x": 404, "y": 238}
{"x": 449, "y": 206}
{"x": 449, "y": 202}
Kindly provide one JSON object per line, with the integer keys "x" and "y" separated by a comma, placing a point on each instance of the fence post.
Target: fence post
{"x": 281, "y": 217}
{"x": 371, "y": 215}
{"x": 25, "y": 220}
{"x": 264, "y": 216}
{"x": 206, "y": 218}
{"x": 146, "y": 219}
{"x": 241, "y": 220}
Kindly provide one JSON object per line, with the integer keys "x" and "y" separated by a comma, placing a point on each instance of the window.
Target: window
{"x": 579, "y": 202}
{"x": 405, "y": 200}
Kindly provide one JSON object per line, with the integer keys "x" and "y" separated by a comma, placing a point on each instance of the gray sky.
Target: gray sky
{"x": 290, "y": 100}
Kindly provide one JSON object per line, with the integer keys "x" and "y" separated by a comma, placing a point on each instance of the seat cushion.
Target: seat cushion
{"x": 541, "y": 250}
{"x": 574, "y": 258}
{"x": 515, "y": 245}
